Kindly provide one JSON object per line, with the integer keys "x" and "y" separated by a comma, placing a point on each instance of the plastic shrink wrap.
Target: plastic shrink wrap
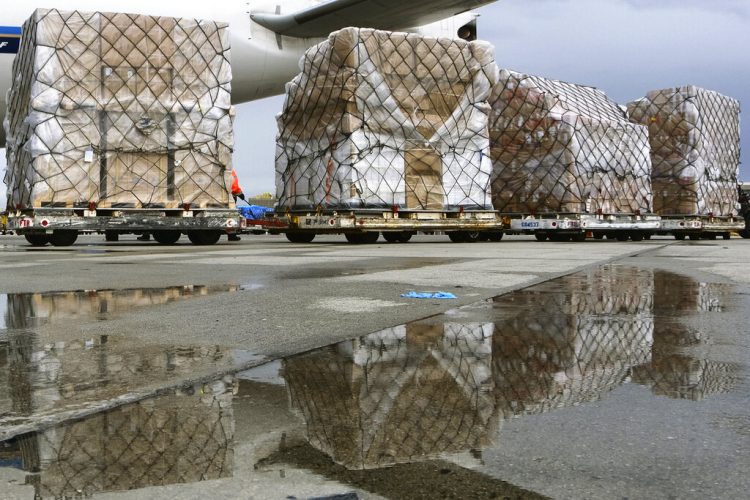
{"x": 119, "y": 110}
{"x": 695, "y": 149}
{"x": 558, "y": 147}
{"x": 381, "y": 119}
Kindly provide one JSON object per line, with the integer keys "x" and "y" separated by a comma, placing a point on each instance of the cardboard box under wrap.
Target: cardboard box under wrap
{"x": 381, "y": 119}
{"x": 560, "y": 147}
{"x": 695, "y": 149}
{"x": 119, "y": 110}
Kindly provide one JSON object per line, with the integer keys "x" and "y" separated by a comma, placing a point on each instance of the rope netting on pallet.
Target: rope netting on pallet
{"x": 403, "y": 394}
{"x": 381, "y": 119}
{"x": 121, "y": 110}
{"x": 695, "y": 149}
{"x": 180, "y": 438}
{"x": 561, "y": 147}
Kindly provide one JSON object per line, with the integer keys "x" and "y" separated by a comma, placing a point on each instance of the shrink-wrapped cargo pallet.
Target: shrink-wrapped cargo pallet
{"x": 119, "y": 110}
{"x": 381, "y": 119}
{"x": 695, "y": 149}
{"x": 564, "y": 148}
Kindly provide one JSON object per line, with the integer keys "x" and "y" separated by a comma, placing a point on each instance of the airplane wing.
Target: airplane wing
{"x": 321, "y": 20}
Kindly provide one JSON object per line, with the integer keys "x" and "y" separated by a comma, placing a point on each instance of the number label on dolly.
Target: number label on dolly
{"x": 529, "y": 225}
{"x": 25, "y": 223}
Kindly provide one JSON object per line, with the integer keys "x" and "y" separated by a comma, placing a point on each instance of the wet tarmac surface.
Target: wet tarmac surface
{"x": 614, "y": 382}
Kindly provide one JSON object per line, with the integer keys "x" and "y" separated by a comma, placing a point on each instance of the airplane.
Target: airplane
{"x": 267, "y": 38}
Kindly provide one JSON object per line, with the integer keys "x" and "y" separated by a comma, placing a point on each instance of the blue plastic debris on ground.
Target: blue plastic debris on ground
{"x": 254, "y": 211}
{"x": 429, "y": 295}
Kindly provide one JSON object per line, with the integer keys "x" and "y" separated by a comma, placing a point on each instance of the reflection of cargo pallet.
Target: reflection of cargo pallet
{"x": 696, "y": 227}
{"x": 61, "y": 226}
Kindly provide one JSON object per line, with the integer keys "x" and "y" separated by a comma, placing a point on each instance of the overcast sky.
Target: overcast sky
{"x": 624, "y": 47}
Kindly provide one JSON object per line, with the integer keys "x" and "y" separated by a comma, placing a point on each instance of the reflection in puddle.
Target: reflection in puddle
{"x": 42, "y": 373}
{"x": 404, "y": 394}
{"x": 28, "y": 310}
{"x": 404, "y": 410}
{"x": 183, "y": 437}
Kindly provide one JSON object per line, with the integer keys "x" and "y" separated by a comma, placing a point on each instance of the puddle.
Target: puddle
{"x": 28, "y": 310}
{"x": 592, "y": 381}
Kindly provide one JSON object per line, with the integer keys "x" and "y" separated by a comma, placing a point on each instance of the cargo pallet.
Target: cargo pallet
{"x": 365, "y": 225}
{"x": 577, "y": 227}
{"x": 701, "y": 227}
{"x": 61, "y": 226}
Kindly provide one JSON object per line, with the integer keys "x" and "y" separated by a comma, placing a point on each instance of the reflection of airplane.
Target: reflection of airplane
{"x": 267, "y": 38}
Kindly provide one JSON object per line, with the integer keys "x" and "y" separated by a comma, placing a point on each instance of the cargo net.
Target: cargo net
{"x": 381, "y": 119}
{"x": 564, "y": 148}
{"x": 401, "y": 395}
{"x": 695, "y": 150}
{"x": 571, "y": 341}
{"x": 181, "y": 438}
{"x": 119, "y": 110}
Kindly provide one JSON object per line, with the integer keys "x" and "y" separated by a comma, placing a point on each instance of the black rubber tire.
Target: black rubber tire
{"x": 541, "y": 236}
{"x": 559, "y": 238}
{"x": 37, "y": 239}
{"x": 366, "y": 238}
{"x": 204, "y": 238}
{"x": 636, "y": 236}
{"x": 622, "y": 236}
{"x": 166, "y": 237}
{"x": 457, "y": 236}
{"x": 679, "y": 236}
{"x": 708, "y": 236}
{"x": 494, "y": 236}
{"x": 598, "y": 236}
{"x": 694, "y": 237}
{"x": 579, "y": 237}
{"x": 299, "y": 237}
{"x": 111, "y": 236}
{"x": 647, "y": 236}
{"x": 63, "y": 238}
{"x": 392, "y": 237}
{"x": 405, "y": 236}
{"x": 745, "y": 233}
{"x": 726, "y": 236}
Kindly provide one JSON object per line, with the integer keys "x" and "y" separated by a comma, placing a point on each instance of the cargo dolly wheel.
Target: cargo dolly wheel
{"x": 299, "y": 237}
{"x": 366, "y": 238}
{"x": 464, "y": 236}
{"x": 397, "y": 236}
{"x": 111, "y": 236}
{"x": 541, "y": 236}
{"x": 63, "y": 238}
{"x": 679, "y": 236}
{"x": 493, "y": 236}
{"x": 204, "y": 238}
{"x": 166, "y": 237}
{"x": 37, "y": 239}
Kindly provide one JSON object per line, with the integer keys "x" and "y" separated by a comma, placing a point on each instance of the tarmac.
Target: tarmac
{"x": 212, "y": 312}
